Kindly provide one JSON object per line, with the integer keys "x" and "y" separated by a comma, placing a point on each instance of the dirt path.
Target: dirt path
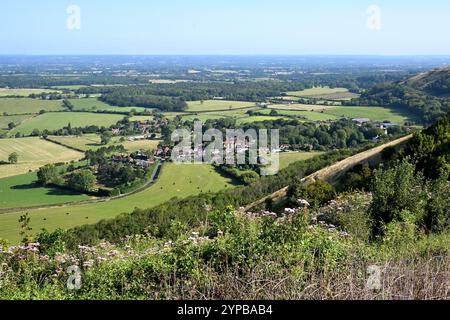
{"x": 334, "y": 172}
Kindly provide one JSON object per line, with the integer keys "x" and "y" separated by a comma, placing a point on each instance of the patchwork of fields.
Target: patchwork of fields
{"x": 33, "y": 153}
{"x": 19, "y": 189}
{"x": 175, "y": 181}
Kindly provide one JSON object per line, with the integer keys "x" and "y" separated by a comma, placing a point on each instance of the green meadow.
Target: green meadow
{"x": 373, "y": 113}
{"x": 5, "y": 120}
{"x": 175, "y": 181}
{"x": 4, "y": 92}
{"x": 59, "y": 120}
{"x": 217, "y": 105}
{"x": 93, "y": 104}
{"x": 23, "y": 191}
{"x": 28, "y": 106}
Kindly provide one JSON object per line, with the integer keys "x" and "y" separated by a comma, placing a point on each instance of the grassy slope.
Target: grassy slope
{"x": 55, "y": 121}
{"x": 180, "y": 181}
{"x": 23, "y": 191}
{"x": 33, "y": 153}
{"x": 22, "y": 106}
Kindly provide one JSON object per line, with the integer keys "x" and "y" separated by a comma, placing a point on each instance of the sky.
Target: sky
{"x": 244, "y": 27}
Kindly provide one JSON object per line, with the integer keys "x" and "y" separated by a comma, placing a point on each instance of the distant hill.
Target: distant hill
{"x": 426, "y": 94}
{"x": 435, "y": 82}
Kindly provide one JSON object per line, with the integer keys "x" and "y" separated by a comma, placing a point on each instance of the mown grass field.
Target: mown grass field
{"x": 33, "y": 153}
{"x": 23, "y": 92}
{"x": 93, "y": 104}
{"x": 59, "y": 120}
{"x": 373, "y": 113}
{"x": 26, "y": 106}
{"x": 215, "y": 105}
{"x": 23, "y": 191}
{"x": 175, "y": 181}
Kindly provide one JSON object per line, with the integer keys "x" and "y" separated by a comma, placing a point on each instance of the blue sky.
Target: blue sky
{"x": 293, "y": 27}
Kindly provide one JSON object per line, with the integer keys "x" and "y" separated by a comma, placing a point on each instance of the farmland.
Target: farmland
{"x": 92, "y": 104}
{"x": 4, "y": 92}
{"x": 257, "y": 119}
{"x": 300, "y": 107}
{"x": 326, "y": 93}
{"x": 5, "y": 120}
{"x": 175, "y": 181}
{"x": 217, "y": 105}
{"x": 24, "y": 191}
{"x": 92, "y": 141}
{"x": 55, "y": 121}
{"x": 373, "y": 113}
{"x": 28, "y": 106}
{"x": 33, "y": 153}
{"x": 286, "y": 158}
{"x": 308, "y": 115}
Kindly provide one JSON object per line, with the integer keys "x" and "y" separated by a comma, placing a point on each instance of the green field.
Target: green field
{"x": 257, "y": 119}
{"x": 92, "y": 142}
{"x": 27, "y": 106}
{"x": 92, "y": 104}
{"x": 300, "y": 107}
{"x": 373, "y": 113}
{"x": 308, "y": 115}
{"x": 323, "y": 92}
{"x": 286, "y": 158}
{"x": 59, "y": 120}
{"x": 23, "y": 92}
{"x": 216, "y": 105}
{"x": 23, "y": 191}
{"x": 33, "y": 154}
{"x": 5, "y": 120}
{"x": 175, "y": 181}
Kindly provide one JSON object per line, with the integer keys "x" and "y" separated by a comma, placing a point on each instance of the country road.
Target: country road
{"x": 334, "y": 172}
